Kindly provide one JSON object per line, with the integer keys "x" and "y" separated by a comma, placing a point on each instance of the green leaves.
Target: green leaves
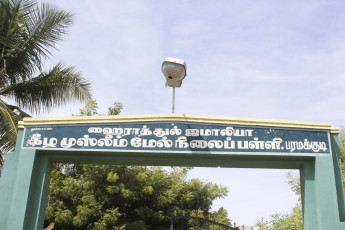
{"x": 8, "y": 128}
{"x": 64, "y": 216}
{"x": 89, "y": 207}
{"x": 49, "y": 89}
{"x": 112, "y": 177}
{"x": 111, "y": 197}
{"x": 91, "y": 106}
{"x": 116, "y": 109}
{"x": 29, "y": 33}
{"x": 147, "y": 190}
{"x": 293, "y": 220}
{"x": 286, "y": 221}
{"x": 342, "y": 152}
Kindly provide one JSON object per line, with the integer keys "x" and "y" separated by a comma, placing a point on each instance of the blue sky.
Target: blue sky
{"x": 257, "y": 59}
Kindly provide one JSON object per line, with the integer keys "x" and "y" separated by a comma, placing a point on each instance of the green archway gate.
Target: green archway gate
{"x": 179, "y": 140}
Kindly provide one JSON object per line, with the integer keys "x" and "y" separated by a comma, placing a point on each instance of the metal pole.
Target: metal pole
{"x": 173, "y": 101}
{"x": 171, "y": 223}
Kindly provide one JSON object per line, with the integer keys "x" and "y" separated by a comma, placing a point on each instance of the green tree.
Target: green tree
{"x": 28, "y": 34}
{"x": 295, "y": 184}
{"x": 262, "y": 224}
{"x": 116, "y": 109}
{"x": 286, "y": 221}
{"x": 293, "y": 220}
{"x": 133, "y": 197}
{"x": 90, "y": 108}
{"x": 127, "y": 197}
{"x": 342, "y": 152}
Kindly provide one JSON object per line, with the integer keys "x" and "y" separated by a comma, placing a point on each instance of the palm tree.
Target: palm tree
{"x": 28, "y": 35}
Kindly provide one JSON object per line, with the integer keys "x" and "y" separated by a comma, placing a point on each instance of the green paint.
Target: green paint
{"x": 338, "y": 176}
{"x": 14, "y": 187}
{"x": 38, "y": 192}
{"x": 25, "y": 180}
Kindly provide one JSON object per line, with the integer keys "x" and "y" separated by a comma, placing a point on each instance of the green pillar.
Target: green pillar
{"x": 38, "y": 193}
{"x": 7, "y": 181}
{"x": 23, "y": 188}
{"x": 310, "y": 211}
{"x": 321, "y": 194}
{"x": 338, "y": 175}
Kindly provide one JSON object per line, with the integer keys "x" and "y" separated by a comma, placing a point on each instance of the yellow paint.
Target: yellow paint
{"x": 177, "y": 117}
{"x": 335, "y": 130}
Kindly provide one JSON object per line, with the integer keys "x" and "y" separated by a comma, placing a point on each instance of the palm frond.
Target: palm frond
{"x": 8, "y": 128}
{"x": 12, "y": 18}
{"x": 29, "y": 33}
{"x": 18, "y": 111}
{"x": 52, "y": 89}
{"x": 46, "y": 26}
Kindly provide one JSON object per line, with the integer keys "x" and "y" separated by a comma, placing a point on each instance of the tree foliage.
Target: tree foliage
{"x": 115, "y": 109}
{"x": 286, "y": 221}
{"x": 28, "y": 34}
{"x": 342, "y": 152}
{"x": 293, "y": 220}
{"x": 131, "y": 197}
{"x": 91, "y": 107}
